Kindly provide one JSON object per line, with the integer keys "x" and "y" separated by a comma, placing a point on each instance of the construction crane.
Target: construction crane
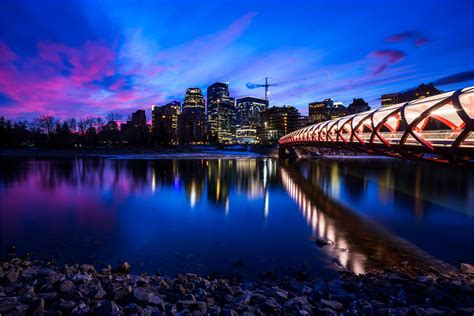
{"x": 322, "y": 75}
{"x": 251, "y": 85}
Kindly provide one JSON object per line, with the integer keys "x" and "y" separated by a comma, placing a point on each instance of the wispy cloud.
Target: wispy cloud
{"x": 385, "y": 58}
{"x": 456, "y": 78}
{"x": 409, "y": 36}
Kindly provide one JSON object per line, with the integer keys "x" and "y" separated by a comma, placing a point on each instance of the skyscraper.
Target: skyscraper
{"x": 249, "y": 110}
{"x": 220, "y": 113}
{"x": 192, "y": 122}
{"x": 165, "y": 122}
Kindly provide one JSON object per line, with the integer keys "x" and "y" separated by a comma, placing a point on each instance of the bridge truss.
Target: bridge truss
{"x": 439, "y": 128}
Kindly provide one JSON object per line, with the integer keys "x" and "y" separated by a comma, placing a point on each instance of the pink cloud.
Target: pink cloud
{"x": 412, "y": 36}
{"x": 58, "y": 80}
{"x": 386, "y": 58}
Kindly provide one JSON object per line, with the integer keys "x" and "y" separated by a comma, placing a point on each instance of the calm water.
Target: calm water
{"x": 204, "y": 215}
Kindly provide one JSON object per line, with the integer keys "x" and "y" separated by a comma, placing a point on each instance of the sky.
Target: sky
{"x": 92, "y": 57}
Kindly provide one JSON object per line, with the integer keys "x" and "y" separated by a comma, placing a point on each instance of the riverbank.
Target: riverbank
{"x": 34, "y": 287}
{"x": 178, "y": 152}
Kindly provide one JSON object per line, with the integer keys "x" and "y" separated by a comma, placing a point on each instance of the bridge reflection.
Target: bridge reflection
{"x": 358, "y": 244}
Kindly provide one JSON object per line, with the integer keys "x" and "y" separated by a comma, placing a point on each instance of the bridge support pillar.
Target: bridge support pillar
{"x": 286, "y": 152}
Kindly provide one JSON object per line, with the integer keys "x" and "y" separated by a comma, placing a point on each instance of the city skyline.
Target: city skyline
{"x": 109, "y": 56}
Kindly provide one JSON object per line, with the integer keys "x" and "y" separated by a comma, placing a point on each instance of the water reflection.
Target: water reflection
{"x": 432, "y": 206}
{"x": 198, "y": 215}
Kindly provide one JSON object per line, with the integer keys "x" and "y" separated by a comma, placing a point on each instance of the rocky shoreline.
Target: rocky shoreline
{"x": 35, "y": 287}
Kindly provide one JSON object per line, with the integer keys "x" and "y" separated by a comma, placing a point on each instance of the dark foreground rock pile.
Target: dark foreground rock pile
{"x": 36, "y": 288}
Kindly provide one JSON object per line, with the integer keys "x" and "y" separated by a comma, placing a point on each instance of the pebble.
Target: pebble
{"x": 35, "y": 288}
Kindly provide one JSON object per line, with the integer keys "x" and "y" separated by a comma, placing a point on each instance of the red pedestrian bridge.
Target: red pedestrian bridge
{"x": 438, "y": 128}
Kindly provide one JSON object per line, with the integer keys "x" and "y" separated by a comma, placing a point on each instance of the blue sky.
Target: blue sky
{"x": 80, "y": 58}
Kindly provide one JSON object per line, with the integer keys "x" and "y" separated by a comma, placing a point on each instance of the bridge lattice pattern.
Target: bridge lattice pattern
{"x": 442, "y": 125}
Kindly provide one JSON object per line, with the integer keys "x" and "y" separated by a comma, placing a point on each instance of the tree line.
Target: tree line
{"x": 47, "y": 131}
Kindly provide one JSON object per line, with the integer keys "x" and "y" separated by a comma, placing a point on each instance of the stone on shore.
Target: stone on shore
{"x": 39, "y": 288}
{"x": 467, "y": 268}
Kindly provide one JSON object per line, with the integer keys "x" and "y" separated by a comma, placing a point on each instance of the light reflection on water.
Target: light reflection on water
{"x": 201, "y": 215}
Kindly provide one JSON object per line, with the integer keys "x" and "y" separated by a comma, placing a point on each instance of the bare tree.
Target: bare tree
{"x": 84, "y": 124}
{"x": 113, "y": 116}
{"x": 99, "y": 123}
{"x": 47, "y": 124}
{"x": 72, "y": 124}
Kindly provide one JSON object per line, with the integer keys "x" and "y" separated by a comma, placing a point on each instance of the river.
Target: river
{"x": 247, "y": 216}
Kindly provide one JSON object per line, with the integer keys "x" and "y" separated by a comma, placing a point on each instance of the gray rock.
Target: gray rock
{"x": 132, "y": 309}
{"x": 82, "y": 278}
{"x": 141, "y": 295}
{"x": 229, "y": 312}
{"x": 36, "y": 307}
{"x": 66, "y": 306}
{"x": 335, "y": 305}
{"x": 81, "y": 309}
{"x": 151, "y": 311}
{"x": 28, "y": 273}
{"x": 433, "y": 311}
{"x": 107, "y": 308}
{"x": 270, "y": 306}
{"x": 155, "y": 299}
{"x": 121, "y": 292}
{"x": 124, "y": 267}
{"x": 214, "y": 310}
{"x": 170, "y": 309}
{"x": 467, "y": 268}
{"x": 48, "y": 296}
{"x": 87, "y": 268}
{"x": 66, "y": 286}
{"x": 12, "y": 276}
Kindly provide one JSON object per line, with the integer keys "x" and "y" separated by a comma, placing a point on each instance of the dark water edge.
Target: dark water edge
{"x": 177, "y": 152}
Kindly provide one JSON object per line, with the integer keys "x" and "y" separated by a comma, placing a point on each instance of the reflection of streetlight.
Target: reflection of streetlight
{"x": 265, "y": 206}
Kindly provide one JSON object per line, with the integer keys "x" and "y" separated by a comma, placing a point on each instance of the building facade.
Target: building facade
{"x": 220, "y": 113}
{"x": 319, "y": 111}
{"x": 358, "y": 105}
{"x": 138, "y": 118}
{"x": 277, "y": 122}
{"x": 248, "y": 113}
{"x": 165, "y": 120}
{"x": 389, "y": 99}
{"x": 421, "y": 92}
{"x": 192, "y": 121}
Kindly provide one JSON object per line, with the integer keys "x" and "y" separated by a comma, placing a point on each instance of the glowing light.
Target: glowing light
{"x": 266, "y": 204}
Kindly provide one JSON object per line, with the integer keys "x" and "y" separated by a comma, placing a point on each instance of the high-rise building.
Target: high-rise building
{"x": 220, "y": 113}
{"x": 319, "y": 111}
{"x": 277, "y": 122}
{"x": 358, "y": 105}
{"x": 138, "y": 118}
{"x": 192, "y": 121}
{"x": 249, "y": 110}
{"x": 422, "y": 91}
{"x": 165, "y": 122}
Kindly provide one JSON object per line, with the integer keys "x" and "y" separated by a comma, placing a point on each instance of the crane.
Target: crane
{"x": 251, "y": 85}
